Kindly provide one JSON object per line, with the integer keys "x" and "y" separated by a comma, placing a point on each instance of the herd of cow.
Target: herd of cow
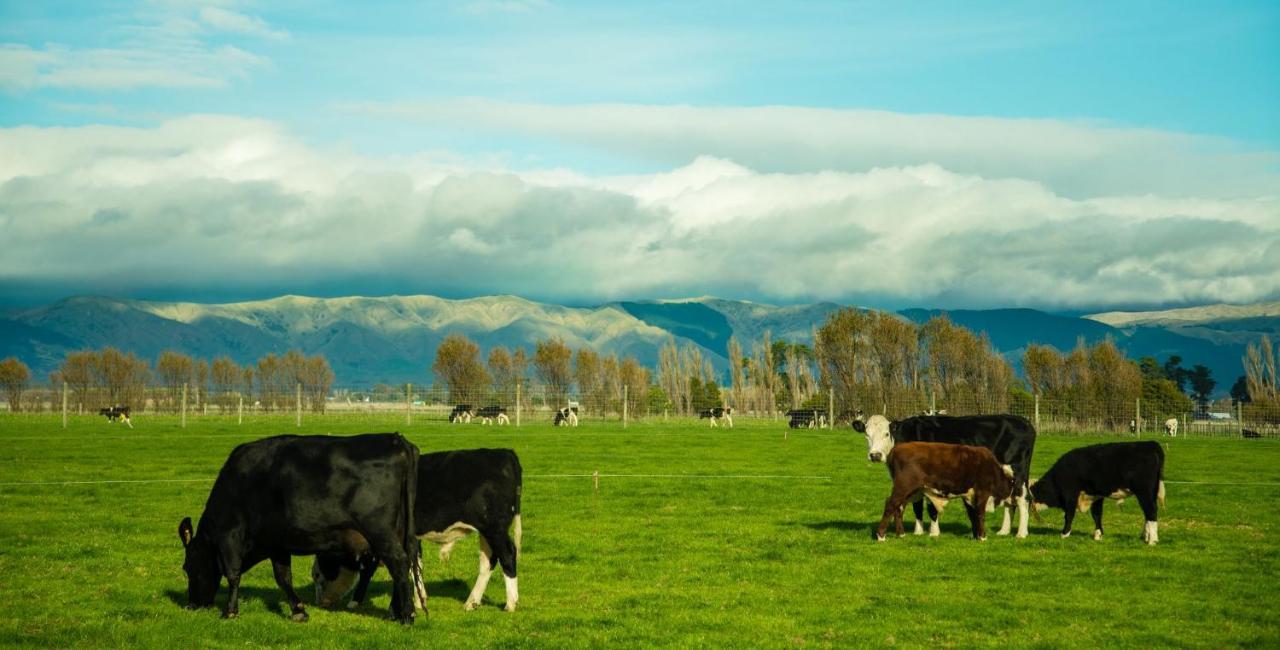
{"x": 359, "y": 502}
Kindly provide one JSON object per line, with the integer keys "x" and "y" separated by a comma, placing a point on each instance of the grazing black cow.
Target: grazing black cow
{"x": 1250, "y": 433}
{"x": 116, "y": 413}
{"x": 718, "y": 413}
{"x": 1010, "y": 437}
{"x": 459, "y": 492}
{"x": 488, "y": 414}
{"x": 302, "y": 495}
{"x": 461, "y": 413}
{"x": 1082, "y": 478}
{"x": 807, "y": 418}
{"x": 942, "y": 472}
{"x": 566, "y": 417}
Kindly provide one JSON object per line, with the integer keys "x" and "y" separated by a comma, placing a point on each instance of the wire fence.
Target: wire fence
{"x": 532, "y": 404}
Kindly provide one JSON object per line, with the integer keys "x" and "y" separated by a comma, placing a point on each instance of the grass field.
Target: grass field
{"x": 658, "y": 560}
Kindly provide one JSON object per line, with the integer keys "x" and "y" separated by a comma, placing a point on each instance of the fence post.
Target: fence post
{"x": 299, "y": 402}
{"x": 1037, "y": 396}
{"x": 64, "y": 405}
{"x": 240, "y": 411}
{"x": 408, "y": 404}
{"x": 517, "y": 403}
{"x": 1137, "y": 416}
{"x": 184, "y": 405}
{"x": 624, "y": 406}
{"x": 831, "y": 406}
{"x": 1240, "y": 418}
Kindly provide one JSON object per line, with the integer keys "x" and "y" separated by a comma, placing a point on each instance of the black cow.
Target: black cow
{"x": 488, "y": 414}
{"x": 116, "y": 413}
{"x": 302, "y": 495}
{"x": 716, "y": 414}
{"x": 807, "y": 418}
{"x": 1250, "y": 433}
{"x": 1010, "y": 437}
{"x": 459, "y": 492}
{"x": 461, "y": 413}
{"x": 1082, "y": 478}
{"x": 566, "y": 417}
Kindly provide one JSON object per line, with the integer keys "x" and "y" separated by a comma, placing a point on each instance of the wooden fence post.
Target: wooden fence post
{"x": 1137, "y": 416}
{"x": 64, "y": 405}
{"x": 240, "y": 411}
{"x": 184, "y": 405}
{"x": 1037, "y": 411}
{"x": 299, "y": 403}
{"x": 408, "y": 404}
{"x": 624, "y": 406}
{"x": 518, "y": 403}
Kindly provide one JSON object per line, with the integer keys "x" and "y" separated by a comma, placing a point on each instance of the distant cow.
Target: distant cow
{"x": 940, "y": 472}
{"x": 1082, "y": 478}
{"x": 302, "y": 495}
{"x": 567, "y": 417}
{"x": 1171, "y": 427}
{"x": 461, "y": 414}
{"x": 718, "y": 413}
{"x": 1133, "y": 426}
{"x": 807, "y": 418}
{"x": 459, "y": 493}
{"x": 489, "y": 414}
{"x": 116, "y": 413}
{"x": 1010, "y": 437}
{"x": 1250, "y": 433}
{"x": 928, "y": 412}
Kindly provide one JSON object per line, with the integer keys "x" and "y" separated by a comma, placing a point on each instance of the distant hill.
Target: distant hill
{"x": 394, "y": 338}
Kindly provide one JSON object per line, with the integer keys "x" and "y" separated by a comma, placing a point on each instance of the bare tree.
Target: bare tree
{"x": 586, "y": 371}
{"x": 225, "y": 375}
{"x": 458, "y": 365}
{"x": 736, "y": 375}
{"x": 317, "y": 379}
{"x": 14, "y": 375}
{"x": 123, "y": 376}
{"x": 671, "y": 375}
{"x": 1260, "y": 370}
{"x": 636, "y": 378}
{"x": 174, "y": 369}
{"x": 551, "y": 363}
{"x": 78, "y": 370}
{"x": 841, "y": 342}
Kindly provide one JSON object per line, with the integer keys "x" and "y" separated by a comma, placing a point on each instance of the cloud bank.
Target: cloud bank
{"x": 209, "y": 202}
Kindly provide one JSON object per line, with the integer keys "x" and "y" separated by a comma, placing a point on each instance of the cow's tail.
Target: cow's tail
{"x": 1160, "y": 481}
{"x": 412, "y": 550}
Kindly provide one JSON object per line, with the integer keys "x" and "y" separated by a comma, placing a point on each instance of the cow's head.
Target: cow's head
{"x": 201, "y": 566}
{"x": 879, "y": 438}
{"x": 1042, "y": 495}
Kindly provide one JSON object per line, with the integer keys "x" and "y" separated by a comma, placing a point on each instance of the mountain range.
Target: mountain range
{"x": 393, "y": 338}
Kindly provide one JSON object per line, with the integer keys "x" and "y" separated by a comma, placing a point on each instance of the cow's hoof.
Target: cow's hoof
{"x": 469, "y": 606}
{"x": 405, "y": 620}
{"x": 300, "y": 617}
{"x": 1066, "y": 535}
{"x": 1022, "y": 535}
{"x": 509, "y": 607}
{"x": 226, "y": 616}
{"x": 354, "y": 604}
{"x": 982, "y": 539}
{"x": 879, "y": 538}
{"x": 1097, "y": 535}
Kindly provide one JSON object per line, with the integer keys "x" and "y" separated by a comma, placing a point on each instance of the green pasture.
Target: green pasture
{"x": 779, "y": 555}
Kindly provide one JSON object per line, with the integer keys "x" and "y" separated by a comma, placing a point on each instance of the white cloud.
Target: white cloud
{"x": 1079, "y": 159}
{"x": 212, "y": 201}
{"x": 488, "y": 7}
{"x": 231, "y": 21}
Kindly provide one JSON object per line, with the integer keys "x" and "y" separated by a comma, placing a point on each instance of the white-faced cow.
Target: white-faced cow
{"x": 490, "y": 414}
{"x": 1010, "y": 437}
{"x": 459, "y": 493}
{"x": 461, "y": 414}
{"x": 716, "y": 414}
{"x": 1171, "y": 427}
{"x": 116, "y": 413}
{"x": 1085, "y": 477}
{"x": 301, "y": 495}
{"x": 940, "y": 472}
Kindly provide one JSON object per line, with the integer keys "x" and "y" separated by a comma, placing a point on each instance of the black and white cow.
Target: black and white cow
{"x": 459, "y": 493}
{"x": 1084, "y": 477}
{"x": 807, "y": 418}
{"x": 566, "y": 417}
{"x": 461, "y": 414}
{"x": 1010, "y": 437}
{"x": 116, "y": 413}
{"x": 302, "y": 495}
{"x": 716, "y": 414}
{"x": 490, "y": 414}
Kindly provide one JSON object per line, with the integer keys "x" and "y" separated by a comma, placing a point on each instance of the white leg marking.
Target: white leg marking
{"x": 1151, "y": 533}
{"x": 1097, "y": 534}
{"x": 1066, "y": 534}
{"x": 934, "y": 529}
{"x": 1008, "y": 523}
{"x": 482, "y": 579}
{"x": 1023, "y": 515}
{"x": 919, "y": 527}
{"x": 513, "y": 593}
{"x": 419, "y": 587}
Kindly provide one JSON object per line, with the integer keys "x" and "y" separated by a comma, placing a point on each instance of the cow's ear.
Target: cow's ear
{"x": 859, "y": 426}
{"x": 185, "y": 531}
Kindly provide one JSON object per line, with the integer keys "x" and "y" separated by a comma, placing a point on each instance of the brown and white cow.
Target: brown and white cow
{"x": 940, "y": 472}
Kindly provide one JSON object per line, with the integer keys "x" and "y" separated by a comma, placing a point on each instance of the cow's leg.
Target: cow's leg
{"x": 282, "y": 567}
{"x": 1096, "y": 511}
{"x": 977, "y": 512}
{"x": 128, "y": 422}
{"x": 231, "y": 563}
{"x": 505, "y": 554}
{"x": 1068, "y": 517}
{"x": 918, "y": 509}
{"x": 1147, "y": 501}
{"x": 482, "y": 577}
{"x": 1023, "y": 513}
{"x": 393, "y": 555}
{"x": 934, "y": 515}
{"x": 367, "y": 569}
{"x": 1008, "y": 521}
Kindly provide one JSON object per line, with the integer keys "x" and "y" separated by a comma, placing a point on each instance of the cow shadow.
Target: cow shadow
{"x": 273, "y": 599}
{"x": 842, "y": 525}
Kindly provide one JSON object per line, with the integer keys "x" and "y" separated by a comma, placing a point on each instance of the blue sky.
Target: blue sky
{"x": 1143, "y": 121}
